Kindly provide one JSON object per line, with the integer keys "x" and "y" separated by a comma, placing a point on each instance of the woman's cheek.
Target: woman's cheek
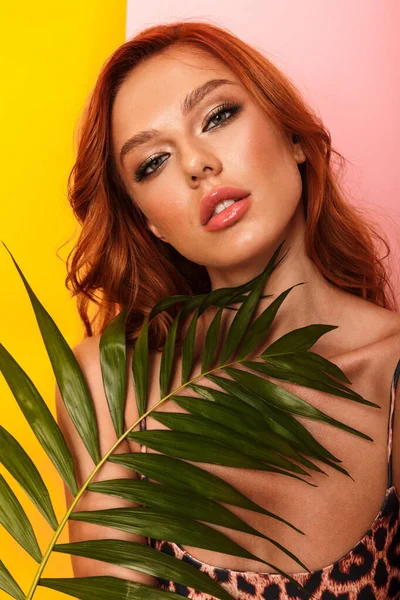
{"x": 168, "y": 216}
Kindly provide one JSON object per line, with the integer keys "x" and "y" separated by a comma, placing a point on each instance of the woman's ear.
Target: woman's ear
{"x": 298, "y": 151}
{"x": 155, "y": 231}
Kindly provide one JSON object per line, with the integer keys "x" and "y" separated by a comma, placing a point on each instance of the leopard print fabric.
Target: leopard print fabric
{"x": 369, "y": 571}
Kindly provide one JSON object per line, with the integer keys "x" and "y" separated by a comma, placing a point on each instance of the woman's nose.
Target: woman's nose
{"x": 197, "y": 163}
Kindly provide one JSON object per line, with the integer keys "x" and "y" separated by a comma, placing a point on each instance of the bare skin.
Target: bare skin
{"x": 366, "y": 344}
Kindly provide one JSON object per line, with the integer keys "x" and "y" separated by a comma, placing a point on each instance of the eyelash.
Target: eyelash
{"x": 232, "y": 107}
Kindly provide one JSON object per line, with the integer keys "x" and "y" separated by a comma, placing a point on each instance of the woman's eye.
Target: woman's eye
{"x": 141, "y": 171}
{"x": 227, "y": 107}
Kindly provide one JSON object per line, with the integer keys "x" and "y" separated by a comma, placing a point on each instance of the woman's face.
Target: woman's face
{"x": 167, "y": 175}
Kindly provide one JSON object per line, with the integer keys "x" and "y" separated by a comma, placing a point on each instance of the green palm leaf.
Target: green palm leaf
{"x": 14, "y": 519}
{"x": 246, "y": 421}
{"x": 70, "y": 379}
{"x": 299, "y": 340}
{"x": 259, "y": 329}
{"x": 22, "y": 468}
{"x": 198, "y": 425}
{"x": 179, "y": 504}
{"x": 104, "y": 588}
{"x": 308, "y": 364}
{"x": 140, "y": 361}
{"x": 233, "y": 415}
{"x": 181, "y": 475}
{"x": 136, "y": 556}
{"x": 284, "y": 400}
{"x": 8, "y": 583}
{"x": 188, "y": 348}
{"x": 112, "y": 360}
{"x": 211, "y": 341}
{"x": 168, "y": 356}
{"x": 172, "y": 500}
{"x": 39, "y": 418}
{"x": 216, "y": 297}
{"x": 201, "y": 448}
{"x": 282, "y": 423}
{"x": 148, "y": 522}
{"x": 246, "y": 311}
{"x": 279, "y": 370}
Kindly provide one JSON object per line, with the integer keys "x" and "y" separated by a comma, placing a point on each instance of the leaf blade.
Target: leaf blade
{"x": 298, "y": 340}
{"x": 199, "y": 448}
{"x": 236, "y": 420}
{"x": 211, "y": 341}
{"x": 8, "y": 583}
{"x": 282, "y": 423}
{"x": 152, "y": 562}
{"x": 188, "y": 348}
{"x": 140, "y": 362}
{"x": 71, "y": 382}
{"x": 39, "y": 418}
{"x": 14, "y": 519}
{"x": 104, "y": 587}
{"x": 258, "y": 330}
{"x": 21, "y": 467}
{"x": 180, "y": 504}
{"x": 167, "y": 357}
{"x": 286, "y": 401}
{"x": 173, "y": 528}
{"x": 199, "y": 425}
{"x": 113, "y": 360}
{"x": 168, "y": 499}
{"x": 316, "y": 381}
{"x": 243, "y": 317}
{"x": 310, "y": 363}
{"x": 181, "y": 475}
{"x": 138, "y": 557}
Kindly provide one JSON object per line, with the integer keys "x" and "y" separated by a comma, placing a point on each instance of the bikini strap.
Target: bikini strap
{"x": 393, "y": 388}
{"x": 142, "y": 426}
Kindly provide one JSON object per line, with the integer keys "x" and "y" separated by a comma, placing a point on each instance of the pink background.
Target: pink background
{"x": 344, "y": 57}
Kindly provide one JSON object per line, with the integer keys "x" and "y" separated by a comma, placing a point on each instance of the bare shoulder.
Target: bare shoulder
{"x": 87, "y": 351}
{"x": 377, "y": 340}
{"x": 386, "y": 318}
{"x": 385, "y": 328}
{"x": 372, "y": 327}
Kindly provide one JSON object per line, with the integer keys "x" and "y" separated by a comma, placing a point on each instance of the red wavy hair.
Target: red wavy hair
{"x": 118, "y": 262}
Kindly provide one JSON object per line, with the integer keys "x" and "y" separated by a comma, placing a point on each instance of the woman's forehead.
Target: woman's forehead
{"x": 174, "y": 70}
{"x": 154, "y": 92}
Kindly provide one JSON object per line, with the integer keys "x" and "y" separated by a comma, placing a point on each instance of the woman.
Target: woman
{"x": 229, "y": 122}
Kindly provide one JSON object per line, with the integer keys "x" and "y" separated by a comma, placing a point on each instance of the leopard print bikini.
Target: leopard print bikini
{"x": 369, "y": 571}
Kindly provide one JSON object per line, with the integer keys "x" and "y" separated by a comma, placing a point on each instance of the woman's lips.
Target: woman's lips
{"x": 229, "y": 216}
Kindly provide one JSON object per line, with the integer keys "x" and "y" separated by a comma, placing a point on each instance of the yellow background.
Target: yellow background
{"x": 51, "y": 54}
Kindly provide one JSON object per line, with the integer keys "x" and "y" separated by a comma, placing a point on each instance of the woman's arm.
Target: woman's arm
{"x": 88, "y": 356}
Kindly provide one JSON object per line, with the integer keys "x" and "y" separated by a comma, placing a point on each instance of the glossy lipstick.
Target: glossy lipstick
{"x": 229, "y": 216}
{"x": 213, "y": 198}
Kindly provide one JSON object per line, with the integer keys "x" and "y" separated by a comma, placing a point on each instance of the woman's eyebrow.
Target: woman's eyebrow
{"x": 190, "y": 101}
